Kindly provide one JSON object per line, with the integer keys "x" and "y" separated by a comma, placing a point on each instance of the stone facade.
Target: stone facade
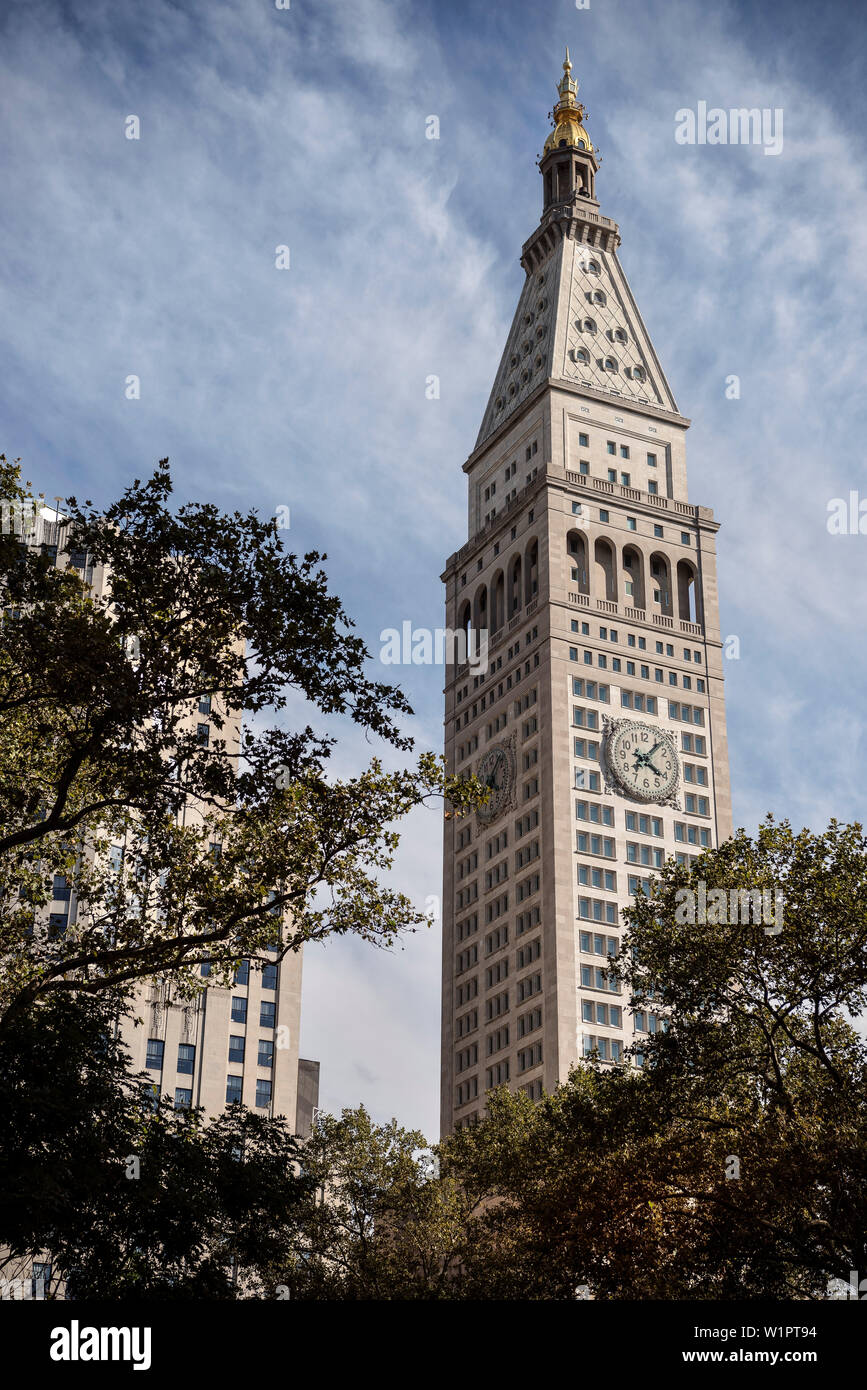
{"x": 595, "y": 577}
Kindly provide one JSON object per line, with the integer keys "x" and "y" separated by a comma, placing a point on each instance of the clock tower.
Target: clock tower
{"x": 597, "y": 721}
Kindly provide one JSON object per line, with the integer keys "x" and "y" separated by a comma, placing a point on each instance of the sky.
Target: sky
{"x": 305, "y": 387}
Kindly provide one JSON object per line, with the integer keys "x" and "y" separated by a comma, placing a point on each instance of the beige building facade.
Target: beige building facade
{"x": 597, "y": 719}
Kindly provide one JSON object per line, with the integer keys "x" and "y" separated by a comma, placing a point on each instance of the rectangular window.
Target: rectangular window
{"x": 269, "y": 977}
{"x": 156, "y": 1048}
{"x": 183, "y": 1098}
{"x": 242, "y": 974}
{"x": 611, "y": 446}
{"x": 236, "y": 1048}
{"x": 239, "y": 1009}
{"x": 203, "y": 734}
{"x": 624, "y": 451}
{"x": 583, "y": 441}
{"x": 263, "y": 1093}
{"x": 186, "y": 1058}
{"x": 234, "y": 1087}
{"x": 204, "y": 704}
{"x": 651, "y": 460}
{"x": 267, "y": 1014}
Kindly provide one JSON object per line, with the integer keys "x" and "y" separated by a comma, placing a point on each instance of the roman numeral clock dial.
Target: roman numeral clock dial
{"x": 496, "y": 771}
{"x": 642, "y": 760}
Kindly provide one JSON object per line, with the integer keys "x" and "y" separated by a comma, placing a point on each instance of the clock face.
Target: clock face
{"x": 643, "y": 760}
{"x": 495, "y": 773}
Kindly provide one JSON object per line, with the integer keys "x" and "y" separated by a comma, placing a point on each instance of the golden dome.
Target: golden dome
{"x": 568, "y": 115}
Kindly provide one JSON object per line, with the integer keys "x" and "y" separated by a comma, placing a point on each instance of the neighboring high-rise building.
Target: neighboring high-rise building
{"x": 599, "y": 723}
{"x": 226, "y": 1044}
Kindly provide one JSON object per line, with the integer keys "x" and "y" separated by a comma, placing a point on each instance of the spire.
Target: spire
{"x": 568, "y": 115}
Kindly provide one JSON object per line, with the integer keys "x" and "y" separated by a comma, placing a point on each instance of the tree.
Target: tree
{"x": 180, "y": 849}
{"x": 122, "y": 1195}
{"x": 733, "y": 1163}
{"x": 387, "y": 1226}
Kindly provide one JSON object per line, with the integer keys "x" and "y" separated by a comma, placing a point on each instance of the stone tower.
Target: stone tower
{"x": 598, "y": 720}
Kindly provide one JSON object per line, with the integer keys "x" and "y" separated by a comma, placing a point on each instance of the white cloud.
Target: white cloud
{"x": 306, "y": 387}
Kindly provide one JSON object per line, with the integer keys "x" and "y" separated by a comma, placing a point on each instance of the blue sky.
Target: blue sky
{"x": 305, "y": 388}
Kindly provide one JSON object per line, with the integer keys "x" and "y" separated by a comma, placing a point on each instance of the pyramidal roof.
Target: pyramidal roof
{"x": 577, "y": 323}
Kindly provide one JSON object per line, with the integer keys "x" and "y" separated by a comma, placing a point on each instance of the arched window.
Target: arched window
{"x": 576, "y": 552}
{"x": 660, "y": 584}
{"x": 531, "y": 570}
{"x": 605, "y": 572}
{"x": 498, "y": 601}
{"x": 465, "y": 618}
{"x": 687, "y": 592}
{"x": 514, "y": 599}
{"x": 480, "y": 608}
{"x": 633, "y": 577}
